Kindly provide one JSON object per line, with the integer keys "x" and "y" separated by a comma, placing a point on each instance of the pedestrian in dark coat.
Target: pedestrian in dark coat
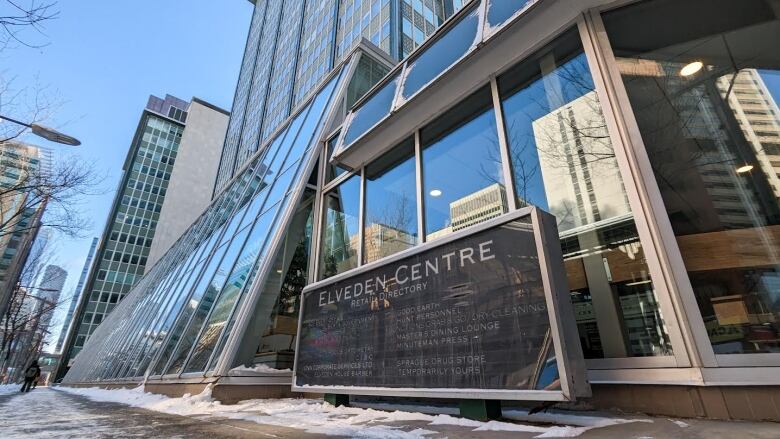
{"x": 31, "y": 375}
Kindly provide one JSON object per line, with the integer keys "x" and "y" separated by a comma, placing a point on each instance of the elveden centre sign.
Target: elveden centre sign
{"x": 483, "y": 313}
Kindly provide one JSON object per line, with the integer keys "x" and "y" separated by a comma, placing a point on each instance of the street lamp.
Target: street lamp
{"x": 46, "y": 132}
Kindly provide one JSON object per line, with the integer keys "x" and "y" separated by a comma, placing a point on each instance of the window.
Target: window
{"x": 563, "y": 162}
{"x": 340, "y": 237}
{"x": 464, "y": 143}
{"x": 440, "y": 55}
{"x": 391, "y": 203}
{"x": 719, "y": 188}
{"x": 370, "y": 112}
{"x": 501, "y": 11}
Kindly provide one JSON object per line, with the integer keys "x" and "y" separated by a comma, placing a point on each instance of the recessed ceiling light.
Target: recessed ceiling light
{"x": 743, "y": 169}
{"x": 691, "y": 68}
{"x": 435, "y": 193}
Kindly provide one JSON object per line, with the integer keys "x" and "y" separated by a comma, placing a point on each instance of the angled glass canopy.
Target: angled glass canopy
{"x": 465, "y": 31}
{"x": 174, "y": 320}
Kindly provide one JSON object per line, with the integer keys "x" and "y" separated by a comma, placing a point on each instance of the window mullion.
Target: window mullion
{"x": 503, "y": 146}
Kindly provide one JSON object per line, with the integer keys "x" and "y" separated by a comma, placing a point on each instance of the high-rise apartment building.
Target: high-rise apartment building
{"x": 76, "y": 294}
{"x": 292, "y": 45}
{"x": 164, "y": 187}
{"x": 22, "y": 167}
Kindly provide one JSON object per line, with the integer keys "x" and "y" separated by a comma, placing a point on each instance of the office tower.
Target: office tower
{"x": 480, "y": 206}
{"x": 168, "y": 172}
{"x": 74, "y": 299}
{"x": 290, "y": 49}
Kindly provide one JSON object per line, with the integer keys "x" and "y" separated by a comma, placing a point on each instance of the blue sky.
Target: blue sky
{"x": 103, "y": 61}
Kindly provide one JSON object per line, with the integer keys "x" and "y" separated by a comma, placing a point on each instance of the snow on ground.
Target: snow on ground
{"x": 315, "y": 416}
{"x": 5, "y": 389}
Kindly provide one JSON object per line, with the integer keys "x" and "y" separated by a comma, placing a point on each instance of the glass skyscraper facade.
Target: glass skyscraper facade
{"x": 290, "y": 49}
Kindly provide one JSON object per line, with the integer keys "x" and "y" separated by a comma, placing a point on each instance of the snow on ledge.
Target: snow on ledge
{"x": 258, "y": 370}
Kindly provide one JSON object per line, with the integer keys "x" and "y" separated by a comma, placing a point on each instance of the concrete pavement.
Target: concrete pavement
{"x": 56, "y": 414}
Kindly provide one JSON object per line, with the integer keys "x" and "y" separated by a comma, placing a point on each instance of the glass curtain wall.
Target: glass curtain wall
{"x": 175, "y": 320}
{"x": 705, "y": 99}
{"x": 273, "y": 333}
{"x": 560, "y": 159}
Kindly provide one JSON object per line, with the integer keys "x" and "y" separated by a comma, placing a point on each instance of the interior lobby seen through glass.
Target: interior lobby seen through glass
{"x": 563, "y": 161}
{"x": 704, "y": 90}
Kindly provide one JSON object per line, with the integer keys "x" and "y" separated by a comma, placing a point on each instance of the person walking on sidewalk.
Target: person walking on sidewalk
{"x": 30, "y": 375}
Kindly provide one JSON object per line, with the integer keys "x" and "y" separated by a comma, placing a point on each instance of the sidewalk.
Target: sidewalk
{"x": 95, "y": 413}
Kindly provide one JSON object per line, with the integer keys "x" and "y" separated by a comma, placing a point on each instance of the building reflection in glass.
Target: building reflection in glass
{"x": 711, "y": 127}
{"x": 563, "y": 161}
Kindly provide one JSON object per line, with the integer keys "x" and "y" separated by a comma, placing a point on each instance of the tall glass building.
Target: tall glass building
{"x": 657, "y": 153}
{"x": 290, "y": 49}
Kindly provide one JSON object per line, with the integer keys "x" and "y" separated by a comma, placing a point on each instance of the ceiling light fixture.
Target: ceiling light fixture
{"x": 743, "y": 169}
{"x": 691, "y": 68}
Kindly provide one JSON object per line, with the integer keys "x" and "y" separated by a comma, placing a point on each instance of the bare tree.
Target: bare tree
{"x": 24, "y": 186}
{"x": 22, "y": 331}
{"x": 32, "y": 104}
{"x": 19, "y": 16}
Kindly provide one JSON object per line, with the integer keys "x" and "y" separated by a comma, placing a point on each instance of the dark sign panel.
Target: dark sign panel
{"x": 467, "y": 314}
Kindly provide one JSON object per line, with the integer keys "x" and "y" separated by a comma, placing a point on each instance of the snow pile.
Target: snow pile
{"x": 315, "y": 416}
{"x": 259, "y": 369}
{"x": 564, "y": 424}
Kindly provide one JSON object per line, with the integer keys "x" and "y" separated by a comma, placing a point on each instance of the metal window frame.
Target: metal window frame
{"x": 244, "y": 314}
{"x": 681, "y": 291}
{"x": 639, "y": 210}
{"x": 270, "y": 187}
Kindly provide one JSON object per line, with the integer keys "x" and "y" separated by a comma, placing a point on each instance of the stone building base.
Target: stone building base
{"x": 749, "y": 403}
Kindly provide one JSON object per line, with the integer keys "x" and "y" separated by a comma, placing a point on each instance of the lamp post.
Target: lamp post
{"x": 46, "y": 132}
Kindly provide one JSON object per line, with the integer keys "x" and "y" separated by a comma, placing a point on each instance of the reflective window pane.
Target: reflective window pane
{"x": 391, "y": 203}
{"x": 332, "y": 170}
{"x": 279, "y": 299}
{"x": 367, "y": 73}
{"x": 501, "y": 11}
{"x": 250, "y": 260}
{"x": 208, "y": 297}
{"x": 440, "y": 55}
{"x": 374, "y": 109}
{"x": 705, "y": 99}
{"x": 563, "y": 161}
{"x": 192, "y": 307}
{"x": 340, "y": 228}
{"x": 461, "y": 162}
